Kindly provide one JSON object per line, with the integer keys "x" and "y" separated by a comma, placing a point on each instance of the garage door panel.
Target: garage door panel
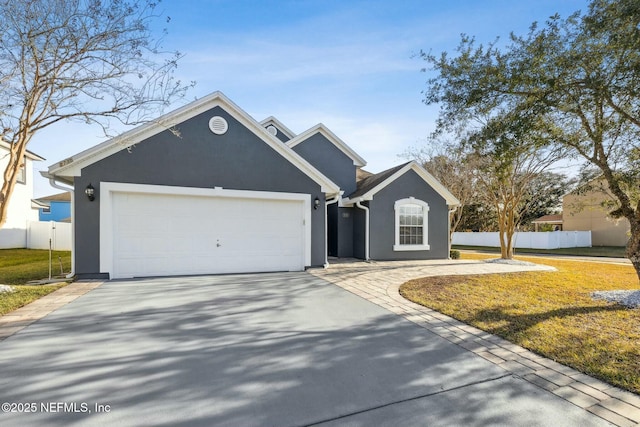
{"x": 165, "y": 234}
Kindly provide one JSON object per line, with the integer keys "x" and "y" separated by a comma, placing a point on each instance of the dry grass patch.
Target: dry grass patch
{"x": 551, "y": 313}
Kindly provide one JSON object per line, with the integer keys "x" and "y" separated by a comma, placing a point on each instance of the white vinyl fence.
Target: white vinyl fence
{"x": 532, "y": 240}
{"x": 39, "y": 233}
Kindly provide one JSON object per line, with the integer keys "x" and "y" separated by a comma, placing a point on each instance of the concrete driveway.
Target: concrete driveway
{"x": 285, "y": 349}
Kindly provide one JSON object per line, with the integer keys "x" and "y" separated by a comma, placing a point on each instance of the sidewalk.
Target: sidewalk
{"x": 379, "y": 282}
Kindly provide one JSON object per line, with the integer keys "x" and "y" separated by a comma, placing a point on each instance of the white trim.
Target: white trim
{"x": 426, "y": 176}
{"x": 340, "y": 144}
{"x": 107, "y": 189}
{"x": 425, "y": 225}
{"x": 278, "y": 124}
{"x": 73, "y": 165}
{"x": 366, "y": 229}
{"x": 29, "y": 154}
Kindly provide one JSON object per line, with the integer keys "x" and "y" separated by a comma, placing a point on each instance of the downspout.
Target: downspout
{"x": 54, "y": 184}
{"x": 366, "y": 229}
{"x": 449, "y": 230}
{"x": 326, "y": 229}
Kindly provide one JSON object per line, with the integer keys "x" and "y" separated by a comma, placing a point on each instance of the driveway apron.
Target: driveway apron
{"x": 281, "y": 349}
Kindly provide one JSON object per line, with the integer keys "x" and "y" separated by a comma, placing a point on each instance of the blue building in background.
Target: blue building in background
{"x": 54, "y": 208}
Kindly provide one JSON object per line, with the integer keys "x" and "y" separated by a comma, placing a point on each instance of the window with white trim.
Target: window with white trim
{"x": 411, "y": 225}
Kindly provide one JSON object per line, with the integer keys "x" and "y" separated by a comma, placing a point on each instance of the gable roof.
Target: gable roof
{"x": 60, "y": 197}
{"x": 368, "y": 187}
{"x": 45, "y": 202}
{"x": 30, "y": 154}
{"x": 340, "y": 144}
{"x": 278, "y": 124}
{"x": 362, "y": 174}
{"x": 373, "y": 180}
{"x": 548, "y": 219}
{"x": 66, "y": 169}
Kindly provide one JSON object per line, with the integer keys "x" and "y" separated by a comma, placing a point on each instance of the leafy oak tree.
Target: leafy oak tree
{"x": 576, "y": 79}
{"x": 89, "y": 60}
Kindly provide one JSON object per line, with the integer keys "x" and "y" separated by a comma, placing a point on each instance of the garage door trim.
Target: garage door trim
{"x": 107, "y": 190}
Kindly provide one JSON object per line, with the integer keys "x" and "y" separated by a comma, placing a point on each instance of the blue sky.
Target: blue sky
{"x": 351, "y": 65}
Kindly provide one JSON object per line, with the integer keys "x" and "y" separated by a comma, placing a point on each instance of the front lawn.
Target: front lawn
{"x": 550, "y": 313}
{"x": 19, "y": 266}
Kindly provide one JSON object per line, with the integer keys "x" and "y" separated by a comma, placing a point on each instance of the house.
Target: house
{"x": 13, "y": 233}
{"x": 56, "y": 207}
{"x": 587, "y": 210}
{"x": 550, "y": 222}
{"x": 206, "y": 189}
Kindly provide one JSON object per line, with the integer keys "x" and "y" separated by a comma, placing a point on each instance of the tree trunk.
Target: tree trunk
{"x": 633, "y": 247}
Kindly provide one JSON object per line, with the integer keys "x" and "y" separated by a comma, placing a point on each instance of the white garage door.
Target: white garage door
{"x": 170, "y": 234}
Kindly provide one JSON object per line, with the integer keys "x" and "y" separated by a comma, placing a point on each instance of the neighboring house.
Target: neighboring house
{"x": 13, "y": 233}
{"x": 551, "y": 222}
{"x": 586, "y": 211}
{"x": 231, "y": 195}
{"x": 54, "y": 208}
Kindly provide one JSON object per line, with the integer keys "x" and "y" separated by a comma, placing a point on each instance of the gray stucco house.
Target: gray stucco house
{"x": 206, "y": 189}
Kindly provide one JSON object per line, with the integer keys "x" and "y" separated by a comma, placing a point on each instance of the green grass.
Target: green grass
{"x": 596, "y": 251}
{"x": 550, "y": 313}
{"x": 19, "y": 266}
{"x": 23, "y": 295}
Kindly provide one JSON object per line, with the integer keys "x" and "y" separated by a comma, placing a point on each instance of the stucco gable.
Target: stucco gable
{"x": 72, "y": 166}
{"x": 283, "y": 133}
{"x": 331, "y": 137}
{"x": 373, "y": 184}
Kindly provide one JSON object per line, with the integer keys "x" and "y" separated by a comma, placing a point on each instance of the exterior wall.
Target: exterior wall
{"x": 359, "y": 224}
{"x": 13, "y": 233}
{"x": 382, "y": 220}
{"x": 57, "y": 211}
{"x": 584, "y": 212}
{"x": 198, "y": 158}
{"x": 329, "y": 160}
{"x": 281, "y": 136}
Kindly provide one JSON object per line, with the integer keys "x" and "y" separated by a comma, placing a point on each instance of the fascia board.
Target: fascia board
{"x": 29, "y": 154}
{"x": 333, "y": 138}
{"x": 72, "y": 167}
{"x": 277, "y": 123}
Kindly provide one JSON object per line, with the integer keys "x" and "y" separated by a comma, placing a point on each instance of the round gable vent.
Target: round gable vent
{"x": 218, "y": 125}
{"x": 272, "y": 130}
